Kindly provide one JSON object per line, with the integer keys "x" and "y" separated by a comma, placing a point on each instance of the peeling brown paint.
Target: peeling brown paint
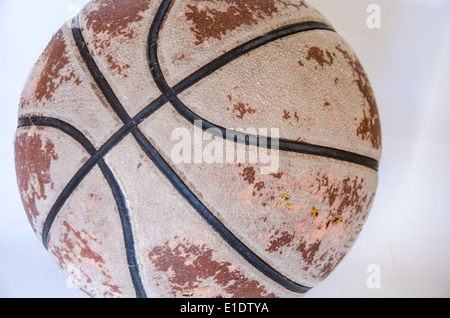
{"x": 74, "y": 253}
{"x": 370, "y": 127}
{"x": 260, "y": 185}
{"x": 113, "y": 290}
{"x": 286, "y": 115}
{"x": 249, "y": 175}
{"x": 320, "y": 56}
{"x": 243, "y": 109}
{"x": 331, "y": 194}
{"x": 82, "y": 243}
{"x": 113, "y": 19}
{"x": 116, "y": 67}
{"x": 309, "y": 251}
{"x": 33, "y": 158}
{"x": 211, "y": 21}
{"x": 323, "y": 264}
{"x": 188, "y": 266}
{"x": 277, "y": 175}
{"x": 344, "y": 196}
{"x": 278, "y": 240}
{"x": 332, "y": 262}
{"x": 54, "y": 59}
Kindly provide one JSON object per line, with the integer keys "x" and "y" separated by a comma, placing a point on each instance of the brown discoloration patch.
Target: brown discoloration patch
{"x": 243, "y": 109}
{"x": 113, "y": 19}
{"x": 309, "y": 251}
{"x": 54, "y": 59}
{"x": 318, "y": 262}
{"x": 80, "y": 242}
{"x": 352, "y": 195}
{"x": 249, "y": 175}
{"x": 113, "y": 66}
{"x": 213, "y": 19}
{"x": 178, "y": 57}
{"x": 95, "y": 197}
{"x": 370, "y": 127}
{"x": 331, "y": 194}
{"x": 320, "y": 56}
{"x": 345, "y": 196}
{"x": 76, "y": 256}
{"x": 277, "y": 175}
{"x": 333, "y": 261}
{"x": 259, "y": 186}
{"x": 286, "y": 115}
{"x": 33, "y": 158}
{"x": 323, "y": 263}
{"x": 188, "y": 267}
{"x": 114, "y": 290}
{"x": 291, "y": 118}
{"x": 280, "y": 239}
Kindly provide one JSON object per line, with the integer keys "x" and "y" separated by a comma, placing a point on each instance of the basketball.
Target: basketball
{"x": 202, "y": 148}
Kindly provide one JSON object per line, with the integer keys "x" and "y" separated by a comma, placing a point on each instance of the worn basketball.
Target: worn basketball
{"x": 215, "y": 148}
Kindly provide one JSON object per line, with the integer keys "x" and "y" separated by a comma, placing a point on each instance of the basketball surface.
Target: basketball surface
{"x": 123, "y": 145}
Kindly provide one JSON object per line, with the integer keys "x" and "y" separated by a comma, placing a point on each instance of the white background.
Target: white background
{"x": 408, "y": 232}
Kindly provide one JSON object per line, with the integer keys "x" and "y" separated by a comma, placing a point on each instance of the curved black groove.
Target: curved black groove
{"x": 237, "y": 52}
{"x": 60, "y": 125}
{"x": 206, "y": 214}
{"x": 118, "y": 194}
{"x": 283, "y": 144}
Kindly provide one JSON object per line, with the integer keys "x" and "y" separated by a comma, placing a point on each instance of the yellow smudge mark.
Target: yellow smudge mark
{"x": 315, "y": 213}
{"x": 284, "y": 196}
{"x": 337, "y": 221}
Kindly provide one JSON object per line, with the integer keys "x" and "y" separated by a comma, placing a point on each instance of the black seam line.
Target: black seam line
{"x": 118, "y": 194}
{"x": 204, "y": 212}
{"x": 208, "y": 69}
{"x": 130, "y": 124}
